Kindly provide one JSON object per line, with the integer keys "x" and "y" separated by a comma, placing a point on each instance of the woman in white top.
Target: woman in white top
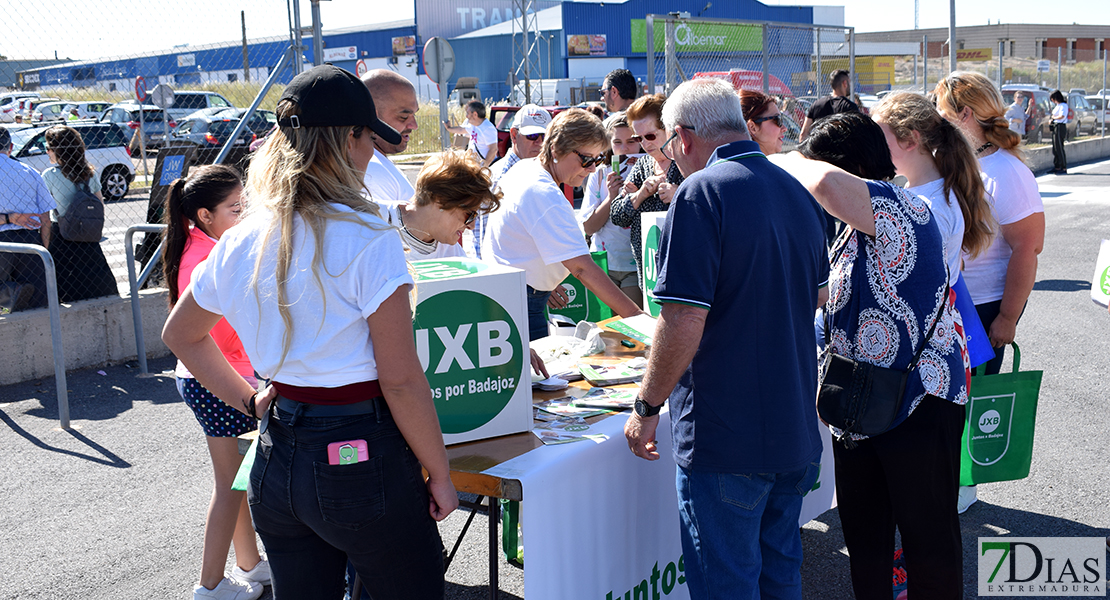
{"x": 1059, "y": 133}
{"x": 939, "y": 166}
{"x": 452, "y": 189}
{"x": 346, "y": 427}
{"x": 536, "y": 230}
{"x": 602, "y": 187}
{"x": 1001, "y": 278}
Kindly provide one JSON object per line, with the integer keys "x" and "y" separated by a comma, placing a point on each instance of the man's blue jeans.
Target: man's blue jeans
{"x": 313, "y": 516}
{"x": 740, "y": 536}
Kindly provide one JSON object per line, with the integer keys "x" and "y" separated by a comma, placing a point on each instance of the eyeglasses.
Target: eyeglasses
{"x": 604, "y": 92}
{"x": 663, "y": 148}
{"x": 531, "y": 137}
{"x": 470, "y": 216}
{"x": 590, "y": 161}
{"x": 651, "y": 137}
{"x": 777, "y": 119}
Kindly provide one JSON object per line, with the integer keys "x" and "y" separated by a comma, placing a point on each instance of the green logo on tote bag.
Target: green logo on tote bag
{"x": 1104, "y": 282}
{"x": 991, "y": 419}
{"x": 472, "y": 354}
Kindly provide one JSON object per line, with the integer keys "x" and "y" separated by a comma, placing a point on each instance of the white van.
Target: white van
{"x": 8, "y": 103}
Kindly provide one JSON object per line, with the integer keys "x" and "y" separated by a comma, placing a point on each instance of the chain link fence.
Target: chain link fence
{"x": 82, "y": 101}
{"x": 789, "y": 61}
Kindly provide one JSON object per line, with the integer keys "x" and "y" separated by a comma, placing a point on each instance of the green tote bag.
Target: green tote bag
{"x": 1001, "y": 418}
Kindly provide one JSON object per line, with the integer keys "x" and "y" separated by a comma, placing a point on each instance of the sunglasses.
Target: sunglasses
{"x": 590, "y": 161}
{"x": 470, "y": 216}
{"x": 651, "y": 137}
{"x": 777, "y": 119}
{"x": 531, "y": 137}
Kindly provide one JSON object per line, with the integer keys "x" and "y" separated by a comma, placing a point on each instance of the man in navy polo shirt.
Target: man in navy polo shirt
{"x": 743, "y": 267}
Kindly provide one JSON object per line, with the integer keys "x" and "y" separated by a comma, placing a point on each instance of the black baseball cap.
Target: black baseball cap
{"x": 332, "y": 97}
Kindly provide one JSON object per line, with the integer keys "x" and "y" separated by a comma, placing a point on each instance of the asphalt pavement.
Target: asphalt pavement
{"x": 114, "y": 508}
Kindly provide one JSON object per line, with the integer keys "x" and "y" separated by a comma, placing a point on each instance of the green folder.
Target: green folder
{"x": 243, "y": 477}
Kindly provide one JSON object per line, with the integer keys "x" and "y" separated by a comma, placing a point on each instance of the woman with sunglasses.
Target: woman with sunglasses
{"x": 452, "y": 189}
{"x": 536, "y": 230}
{"x": 653, "y": 179}
{"x": 764, "y": 120}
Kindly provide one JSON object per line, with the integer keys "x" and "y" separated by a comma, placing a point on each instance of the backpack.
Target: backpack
{"x": 83, "y": 221}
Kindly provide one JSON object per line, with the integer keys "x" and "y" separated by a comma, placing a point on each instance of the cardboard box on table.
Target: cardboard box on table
{"x": 471, "y": 331}
{"x": 651, "y": 229}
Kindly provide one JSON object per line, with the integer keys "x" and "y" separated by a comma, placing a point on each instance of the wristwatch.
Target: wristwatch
{"x": 643, "y": 409}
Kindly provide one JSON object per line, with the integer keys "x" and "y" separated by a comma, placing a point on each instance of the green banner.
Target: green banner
{"x": 700, "y": 37}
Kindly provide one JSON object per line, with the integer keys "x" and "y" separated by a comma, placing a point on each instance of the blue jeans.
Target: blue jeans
{"x": 537, "y": 318}
{"x": 740, "y": 536}
{"x": 313, "y": 516}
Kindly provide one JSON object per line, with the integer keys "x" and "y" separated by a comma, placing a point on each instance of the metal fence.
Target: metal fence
{"x": 88, "y": 72}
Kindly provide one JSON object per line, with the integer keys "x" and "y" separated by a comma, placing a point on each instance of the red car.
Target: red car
{"x": 502, "y": 118}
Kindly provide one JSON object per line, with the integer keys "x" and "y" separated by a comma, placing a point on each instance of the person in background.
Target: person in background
{"x": 764, "y": 120}
{"x": 652, "y": 181}
{"x": 483, "y": 135}
{"x": 840, "y": 101}
{"x": 199, "y": 210}
{"x": 536, "y": 230}
{"x": 25, "y": 205}
{"x": 330, "y": 324}
{"x": 452, "y": 190}
{"x": 1001, "y": 278}
{"x": 1059, "y": 133}
{"x": 907, "y": 477}
{"x": 1018, "y": 112}
{"x": 81, "y": 268}
{"x": 618, "y": 90}
{"x": 395, "y": 100}
{"x": 740, "y": 233}
{"x": 602, "y": 186}
{"x": 526, "y": 135}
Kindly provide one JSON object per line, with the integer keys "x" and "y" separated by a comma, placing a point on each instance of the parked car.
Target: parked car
{"x": 502, "y": 118}
{"x": 50, "y": 111}
{"x": 260, "y": 123}
{"x": 1084, "y": 117}
{"x": 208, "y": 134}
{"x": 1036, "y": 125}
{"x": 105, "y": 149}
{"x": 1101, "y": 106}
{"x": 9, "y": 103}
{"x": 866, "y": 102}
{"x": 126, "y": 115}
{"x": 26, "y": 106}
{"x": 89, "y": 109}
{"x": 187, "y": 102}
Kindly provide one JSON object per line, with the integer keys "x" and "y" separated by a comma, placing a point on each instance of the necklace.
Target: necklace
{"x": 414, "y": 242}
{"x": 980, "y": 149}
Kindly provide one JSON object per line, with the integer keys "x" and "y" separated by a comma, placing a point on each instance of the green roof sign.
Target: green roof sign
{"x": 700, "y": 37}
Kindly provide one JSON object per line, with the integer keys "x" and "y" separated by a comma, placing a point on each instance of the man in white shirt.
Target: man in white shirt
{"x": 483, "y": 135}
{"x": 1016, "y": 114}
{"x": 396, "y": 105}
{"x": 526, "y": 134}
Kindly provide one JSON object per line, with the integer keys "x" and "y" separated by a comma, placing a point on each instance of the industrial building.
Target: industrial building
{"x": 1073, "y": 43}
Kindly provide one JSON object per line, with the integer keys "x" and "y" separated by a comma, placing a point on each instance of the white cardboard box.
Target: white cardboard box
{"x": 471, "y": 332}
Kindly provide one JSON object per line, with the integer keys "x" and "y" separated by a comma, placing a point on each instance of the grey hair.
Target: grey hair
{"x": 710, "y": 106}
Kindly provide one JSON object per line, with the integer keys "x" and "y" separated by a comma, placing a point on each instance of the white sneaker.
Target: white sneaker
{"x": 228, "y": 589}
{"x": 966, "y": 498}
{"x": 260, "y": 574}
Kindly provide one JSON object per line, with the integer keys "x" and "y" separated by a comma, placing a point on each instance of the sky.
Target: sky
{"x": 103, "y": 28}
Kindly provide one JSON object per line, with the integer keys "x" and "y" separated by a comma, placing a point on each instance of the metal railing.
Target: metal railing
{"x": 55, "y": 322}
{"x": 134, "y": 285}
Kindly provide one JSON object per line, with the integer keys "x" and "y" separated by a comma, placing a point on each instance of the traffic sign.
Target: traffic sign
{"x": 439, "y": 60}
{"x": 361, "y": 68}
{"x": 162, "y": 96}
{"x": 140, "y": 89}
{"x": 1043, "y": 66}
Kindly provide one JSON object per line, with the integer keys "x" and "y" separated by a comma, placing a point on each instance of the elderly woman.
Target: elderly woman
{"x": 764, "y": 118}
{"x": 349, "y": 414}
{"x": 536, "y": 230}
{"x": 653, "y": 179}
{"x": 888, "y": 301}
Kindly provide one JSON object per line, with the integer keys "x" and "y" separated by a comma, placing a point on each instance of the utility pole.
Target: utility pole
{"x": 246, "y": 58}
{"x": 952, "y": 36}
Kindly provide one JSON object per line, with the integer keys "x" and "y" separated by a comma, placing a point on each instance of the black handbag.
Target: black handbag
{"x": 861, "y": 398}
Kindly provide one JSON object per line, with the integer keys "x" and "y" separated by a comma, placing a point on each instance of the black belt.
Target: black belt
{"x": 365, "y": 407}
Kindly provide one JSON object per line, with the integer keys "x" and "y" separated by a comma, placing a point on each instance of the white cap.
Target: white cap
{"x": 531, "y": 119}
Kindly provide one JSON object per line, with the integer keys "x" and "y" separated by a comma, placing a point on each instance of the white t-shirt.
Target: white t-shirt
{"x": 1016, "y": 116}
{"x": 481, "y": 136}
{"x": 1014, "y": 196}
{"x": 413, "y": 253}
{"x": 331, "y": 345}
{"x": 1060, "y": 113}
{"x": 535, "y": 229}
{"x": 615, "y": 241}
{"x": 387, "y": 184}
{"x": 950, "y": 221}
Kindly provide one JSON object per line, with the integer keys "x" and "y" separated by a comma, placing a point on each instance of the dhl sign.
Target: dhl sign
{"x": 974, "y": 54}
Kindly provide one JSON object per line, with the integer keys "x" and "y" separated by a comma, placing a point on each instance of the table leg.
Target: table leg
{"x": 494, "y": 520}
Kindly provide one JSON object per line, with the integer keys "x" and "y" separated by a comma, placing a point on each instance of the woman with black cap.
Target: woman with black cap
{"x": 346, "y": 428}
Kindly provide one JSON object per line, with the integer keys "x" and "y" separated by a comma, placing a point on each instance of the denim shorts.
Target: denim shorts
{"x": 313, "y": 516}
